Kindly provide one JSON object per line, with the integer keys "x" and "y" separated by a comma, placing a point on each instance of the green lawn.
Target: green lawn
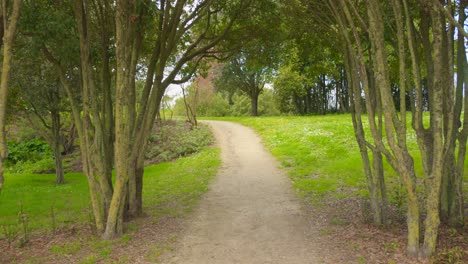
{"x": 321, "y": 154}
{"x": 170, "y": 189}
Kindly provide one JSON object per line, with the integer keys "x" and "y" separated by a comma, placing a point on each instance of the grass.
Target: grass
{"x": 320, "y": 152}
{"x": 170, "y": 189}
{"x": 322, "y": 156}
{"x": 38, "y": 193}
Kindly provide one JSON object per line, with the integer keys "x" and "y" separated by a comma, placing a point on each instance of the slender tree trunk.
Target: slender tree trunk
{"x": 59, "y": 177}
{"x": 456, "y": 217}
{"x": 395, "y": 129}
{"x": 435, "y": 180}
{"x": 8, "y": 39}
{"x": 357, "y": 74}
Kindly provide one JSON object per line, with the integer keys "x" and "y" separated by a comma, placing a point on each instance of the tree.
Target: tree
{"x": 10, "y": 13}
{"x": 309, "y": 81}
{"x": 424, "y": 36}
{"x": 41, "y": 99}
{"x": 157, "y": 42}
{"x": 243, "y": 74}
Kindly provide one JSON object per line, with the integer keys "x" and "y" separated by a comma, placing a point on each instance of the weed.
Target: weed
{"x": 361, "y": 260}
{"x": 132, "y": 227}
{"x": 121, "y": 260}
{"x": 105, "y": 253}
{"x": 391, "y": 247}
{"x": 325, "y": 232}
{"x": 23, "y": 221}
{"x": 34, "y": 260}
{"x": 67, "y": 248}
{"x": 450, "y": 256}
{"x": 338, "y": 221}
{"x": 156, "y": 253}
{"x": 353, "y": 245}
{"x": 98, "y": 244}
{"x": 125, "y": 239}
{"x": 10, "y": 232}
{"x": 91, "y": 259}
{"x": 52, "y": 219}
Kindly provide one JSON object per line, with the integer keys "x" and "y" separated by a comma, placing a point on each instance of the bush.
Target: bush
{"x": 30, "y": 150}
{"x": 30, "y": 156}
{"x": 176, "y": 139}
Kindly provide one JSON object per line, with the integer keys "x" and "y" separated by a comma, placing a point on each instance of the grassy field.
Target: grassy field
{"x": 170, "y": 189}
{"x": 322, "y": 155}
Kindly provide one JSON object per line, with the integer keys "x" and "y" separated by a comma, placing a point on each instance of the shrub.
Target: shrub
{"x": 176, "y": 139}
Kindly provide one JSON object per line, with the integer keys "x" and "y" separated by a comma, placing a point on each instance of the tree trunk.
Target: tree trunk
{"x": 254, "y": 104}
{"x": 55, "y": 115}
{"x": 395, "y": 129}
{"x": 456, "y": 217}
{"x": 435, "y": 180}
{"x": 8, "y": 38}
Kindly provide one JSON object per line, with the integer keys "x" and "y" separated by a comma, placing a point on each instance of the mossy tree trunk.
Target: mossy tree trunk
{"x": 357, "y": 73}
{"x": 8, "y": 24}
{"x": 370, "y": 72}
{"x": 451, "y": 207}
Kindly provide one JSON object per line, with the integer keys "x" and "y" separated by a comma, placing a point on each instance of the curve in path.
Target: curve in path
{"x": 250, "y": 213}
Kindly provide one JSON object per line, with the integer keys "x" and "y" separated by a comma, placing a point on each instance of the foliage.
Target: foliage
{"x": 29, "y": 156}
{"x": 217, "y": 105}
{"x": 310, "y": 81}
{"x": 174, "y": 139}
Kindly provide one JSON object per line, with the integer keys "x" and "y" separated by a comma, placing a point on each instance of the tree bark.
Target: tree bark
{"x": 435, "y": 180}
{"x": 395, "y": 128}
{"x": 254, "y": 104}
{"x": 56, "y": 140}
{"x": 9, "y": 30}
{"x": 356, "y": 74}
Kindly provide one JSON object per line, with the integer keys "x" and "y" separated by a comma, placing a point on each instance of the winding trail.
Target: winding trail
{"x": 250, "y": 213}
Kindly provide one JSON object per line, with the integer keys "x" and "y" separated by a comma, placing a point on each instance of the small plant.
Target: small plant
{"x": 132, "y": 227}
{"x": 325, "y": 232}
{"x": 67, "y": 248}
{"x": 391, "y": 247}
{"x": 23, "y": 221}
{"x": 53, "y": 220}
{"x": 91, "y": 259}
{"x": 361, "y": 260}
{"x": 450, "y": 256}
{"x": 10, "y": 232}
{"x": 155, "y": 254}
{"x": 338, "y": 221}
{"x": 126, "y": 239}
{"x": 105, "y": 253}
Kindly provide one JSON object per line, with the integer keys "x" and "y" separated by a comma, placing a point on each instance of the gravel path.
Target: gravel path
{"x": 250, "y": 213}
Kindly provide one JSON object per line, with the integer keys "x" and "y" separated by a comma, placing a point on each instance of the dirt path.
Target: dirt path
{"x": 250, "y": 213}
